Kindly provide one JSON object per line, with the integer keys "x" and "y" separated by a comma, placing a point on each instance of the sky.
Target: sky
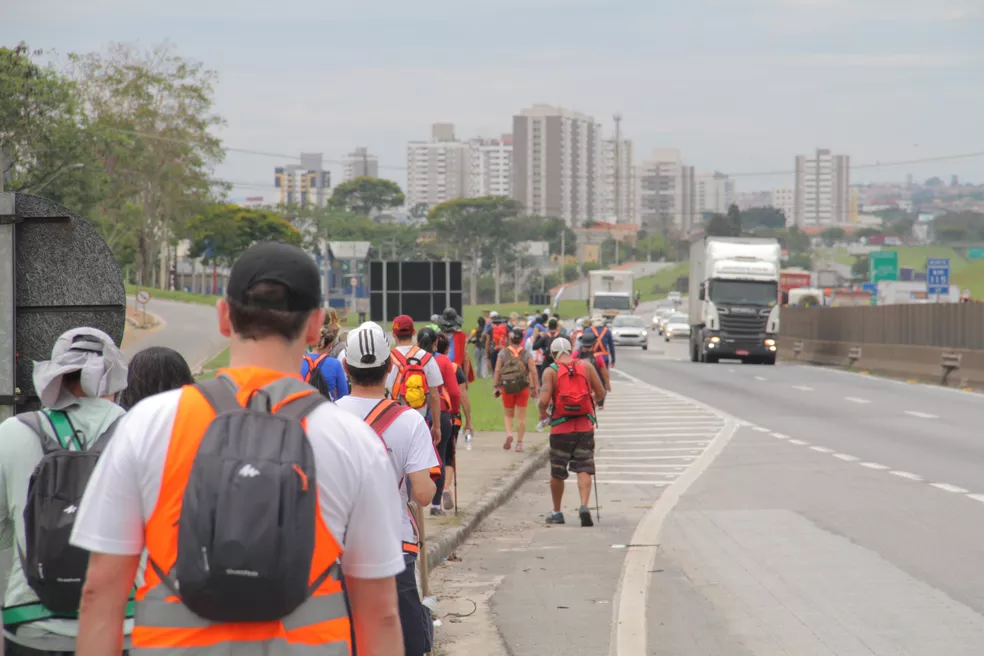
{"x": 739, "y": 86}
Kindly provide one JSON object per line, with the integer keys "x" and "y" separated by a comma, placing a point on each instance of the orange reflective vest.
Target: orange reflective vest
{"x": 163, "y": 625}
{"x": 599, "y": 346}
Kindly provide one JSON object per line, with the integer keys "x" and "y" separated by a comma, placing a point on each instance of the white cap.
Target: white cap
{"x": 366, "y": 348}
{"x": 372, "y": 325}
{"x": 560, "y": 345}
{"x": 493, "y": 314}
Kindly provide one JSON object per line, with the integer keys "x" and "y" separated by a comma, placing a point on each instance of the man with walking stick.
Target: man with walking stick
{"x": 572, "y": 387}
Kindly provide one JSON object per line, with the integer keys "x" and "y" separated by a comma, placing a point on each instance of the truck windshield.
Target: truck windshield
{"x": 611, "y": 302}
{"x": 744, "y": 292}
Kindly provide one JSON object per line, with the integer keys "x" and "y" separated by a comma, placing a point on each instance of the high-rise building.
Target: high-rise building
{"x": 305, "y": 184}
{"x": 823, "y": 183}
{"x": 437, "y": 170}
{"x": 618, "y": 197}
{"x": 784, "y": 200}
{"x": 667, "y": 193}
{"x": 715, "y": 193}
{"x": 556, "y": 164}
{"x": 360, "y": 164}
{"x": 490, "y": 167}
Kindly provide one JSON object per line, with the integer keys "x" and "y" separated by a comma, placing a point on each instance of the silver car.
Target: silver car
{"x": 660, "y": 317}
{"x": 630, "y": 330}
{"x": 676, "y": 325}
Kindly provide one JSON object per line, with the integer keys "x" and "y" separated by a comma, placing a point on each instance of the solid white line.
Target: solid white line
{"x": 731, "y": 371}
{"x": 976, "y": 497}
{"x": 873, "y": 465}
{"x": 641, "y": 465}
{"x": 798, "y": 442}
{"x": 854, "y": 399}
{"x": 821, "y": 449}
{"x": 606, "y": 458}
{"x": 630, "y": 626}
{"x": 802, "y": 388}
{"x": 653, "y": 450}
{"x": 760, "y": 429}
{"x": 571, "y": 481}
{"x": 946, "y": 487}
{"x": 905, "y": 474}
{"x": 780, "y": 436}
{"x": 846, "y": 458}
{"x": 629, "y": 472}
{"x": 644, "y": 441}
{"x": 921, "y": 415}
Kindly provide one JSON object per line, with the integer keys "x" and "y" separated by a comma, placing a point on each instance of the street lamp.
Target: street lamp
{"x": 57, "y": 174}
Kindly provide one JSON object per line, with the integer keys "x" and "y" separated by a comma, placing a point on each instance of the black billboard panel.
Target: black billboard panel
{"x": 419, "y": 289}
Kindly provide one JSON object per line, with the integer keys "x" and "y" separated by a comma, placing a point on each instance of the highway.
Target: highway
{"x": 189, "y": 328}
{"x": 827, "y": 513}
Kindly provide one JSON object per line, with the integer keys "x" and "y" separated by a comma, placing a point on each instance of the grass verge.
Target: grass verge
{"x": 168, "y": 295}
{"x": 487, "y": 412}
{"x": 658, "y": 285}
{"x": 220, "y": 361}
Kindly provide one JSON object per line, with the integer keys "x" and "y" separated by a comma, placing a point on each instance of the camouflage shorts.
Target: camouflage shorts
{"x": 572, "y": 452}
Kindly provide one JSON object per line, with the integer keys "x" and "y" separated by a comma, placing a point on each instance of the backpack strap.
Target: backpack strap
{"x": 313, "y": 364}
{"x": 400, "y": 358}
{"x": 299, "y": 407}
{"x": 100, "y": 442}
{"x": 220, "y": 392}
{"x": 33, "y": 421}
{"x": 383, "y": 415}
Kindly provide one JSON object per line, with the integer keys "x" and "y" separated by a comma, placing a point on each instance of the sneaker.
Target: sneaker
{"x": 436, "y": 511}
{"x": 555, "y": 518}
{"x": 585, "y": 514}
{"x": 448, "y": 500}
{"x": 519, "y": 447}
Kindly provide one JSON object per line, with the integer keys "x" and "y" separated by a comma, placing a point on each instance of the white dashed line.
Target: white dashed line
{"x": 780, "y": 436}
{"x": 798, "y": 442}
{"x": 760, "y": 429}
{"x": 946, "y": 487}
{"x": 921, "y": 415}
{"x": 976, "y": 497}
{"x": 854, "y": 399}
{"x": 905, "y": 474}
{"x": 874, "y": 465}
{"x": 761, "y": 378}
{"x": 845, "y": 457}
{"x": 821, "y": 449}
{"x": 802, "y": 388}
{"x": 731, "y": 371}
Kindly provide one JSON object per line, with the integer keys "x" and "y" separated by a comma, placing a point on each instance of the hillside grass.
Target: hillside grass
{"x": 915, "y": 256}
{"x": 657, "y": 285}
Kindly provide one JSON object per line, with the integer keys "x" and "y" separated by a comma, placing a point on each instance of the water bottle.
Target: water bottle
{"x": 541, "y": 425}
{"x": 468, "y": 440}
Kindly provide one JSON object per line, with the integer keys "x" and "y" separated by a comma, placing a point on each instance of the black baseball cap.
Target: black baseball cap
{"x": 276, "y": 262}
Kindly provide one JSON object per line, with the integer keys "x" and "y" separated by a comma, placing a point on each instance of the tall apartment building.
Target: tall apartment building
{"x": 305, "y": 184}
{"x": 667, "y": 193}
{"x": 437, "y": 170}
{"x": 715, "y": 193}
{"x": 823, "y": 183}
{"x": 557, "y": 164}
{"x": 784, "y": 200}
{"x": 618, "y": 183}
{"x": 360, "y": 164}
{"x": 490, "y": 167}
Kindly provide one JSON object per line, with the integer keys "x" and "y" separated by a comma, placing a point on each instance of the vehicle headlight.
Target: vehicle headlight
{"x": 644, "y": 333}
{"x": 714, "y": 340}
{"x": 770, "y": 342}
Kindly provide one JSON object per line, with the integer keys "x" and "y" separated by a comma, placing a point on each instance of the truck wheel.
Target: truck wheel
{"x": 769, "y": 359}
{"x": 711, "y": 359}
{"x": 645, "y": 347}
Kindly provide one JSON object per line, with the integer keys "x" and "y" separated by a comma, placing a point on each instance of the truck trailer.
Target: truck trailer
{"x": 734, "y": 292}
{"x": 610, "y": 293}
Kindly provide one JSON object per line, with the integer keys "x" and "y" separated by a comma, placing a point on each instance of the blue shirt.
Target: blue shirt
{"x": 333, "y": 373}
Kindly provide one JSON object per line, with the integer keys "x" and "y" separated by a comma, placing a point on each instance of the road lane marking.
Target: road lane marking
{"x": 571, "y": 481}
{"x": 905, "y": 474}
{"x": 846, "y": 458}
{"x": 874, "y": 465}
{"x": 607, "y": 449}
{"x": 627, "y": 441}
{"x": 641, "y": 465}
{"x": 821, "y": 449}
{"x": 798, "y": 442}
{"x": 606, "y": 458}
{"x": 976, "y": 497}
{"x": 854, "y": 399}
{"x": 802, "y": 388}
{"x": 760, "y": 429}
{"x": 921, "y": 415}
{"x": 780, "y": 436}
{"x": 946, "y": 487}
{"x": 731, "y": 371}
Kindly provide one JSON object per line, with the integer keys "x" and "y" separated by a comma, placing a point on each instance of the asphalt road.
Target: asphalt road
{"x": 190, "y": 328}
{"x": 844, "y": 516}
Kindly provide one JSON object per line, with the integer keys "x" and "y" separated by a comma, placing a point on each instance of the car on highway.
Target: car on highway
{"x": 676, "y": 325}
{"x": 660, "y": 316}
{"x": 630, "y": 330}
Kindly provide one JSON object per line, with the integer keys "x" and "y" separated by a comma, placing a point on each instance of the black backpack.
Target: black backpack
{"x": 54, "y": 569}
{"x": 315, "y": 378}
{"x": 247, "y": 527}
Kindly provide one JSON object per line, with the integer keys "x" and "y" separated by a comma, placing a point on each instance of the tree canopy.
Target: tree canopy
{"x": 762, "y": 217}
{"x": 223, "y": 232}
{"x": 365, "y": 195}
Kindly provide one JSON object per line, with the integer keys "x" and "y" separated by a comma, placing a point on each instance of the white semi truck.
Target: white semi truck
{"x": 610, "y": 293}
{"x": 734, "y": 291}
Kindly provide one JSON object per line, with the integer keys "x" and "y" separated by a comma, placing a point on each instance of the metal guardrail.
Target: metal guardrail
{"x": 950, "y": 362}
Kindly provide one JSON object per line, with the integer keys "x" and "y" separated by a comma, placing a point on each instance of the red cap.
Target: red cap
{"x": 403, "y": 326}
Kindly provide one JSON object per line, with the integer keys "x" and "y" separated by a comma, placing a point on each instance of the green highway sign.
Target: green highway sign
{"x": 883, "y": 265}
{"x": 976, "y": 253}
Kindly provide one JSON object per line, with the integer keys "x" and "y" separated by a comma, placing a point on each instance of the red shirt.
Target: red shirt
{"x": 450, "y": 382}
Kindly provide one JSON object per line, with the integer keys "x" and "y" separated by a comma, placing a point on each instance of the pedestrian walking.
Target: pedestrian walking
{"x": 605, "y": 343}
{"x": 152, "y": 371}
{"x": 450, "y": 326}
{"x": 543, "y": 343}
{"x": 477, "y": 340}
{"x": 514, "y": 378}
{"x": 586, "y": 352}
{"x": 415, "y": 379}
{"x": 571, "y": 388}
{"x": 212, "y": 467}
{"x": 457, "y": 404}
{"x": 46, "y": 459}
{"x": 408, "y": 442}
{"x": 449, "y": 393}
{"x": 497, "y": 338}
{"x": 320, "y": 369}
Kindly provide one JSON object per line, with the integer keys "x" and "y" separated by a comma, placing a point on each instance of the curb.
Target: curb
{"x": 447, "y": 541}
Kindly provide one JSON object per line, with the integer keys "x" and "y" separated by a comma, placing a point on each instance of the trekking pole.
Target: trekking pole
{"x": 455, "y": 467}
{"x": 422, "y": 554}
{"x": 597, "y": 500}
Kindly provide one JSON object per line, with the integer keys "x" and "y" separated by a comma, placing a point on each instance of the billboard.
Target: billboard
{"x": 419, "y": 289}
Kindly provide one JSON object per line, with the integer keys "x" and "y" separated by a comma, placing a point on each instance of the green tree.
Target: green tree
{"x": 763, "y": 217}
{"x": 719, "y": 226}
{"x": 800, "y": 260}
{"x": 831, "y": 236}
{"x": 734, "y": 220}
{"x": 651, "y": 247}
{"x": 419, "y": 211}
{"x": 222, "y": 233}
{"x": 364, "y": 195}
{"x": 865, "y": 233}
{"x": 860, "y": 267}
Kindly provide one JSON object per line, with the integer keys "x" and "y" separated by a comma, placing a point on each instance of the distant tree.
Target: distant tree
{"x": 762, "y": 217}
{"x": 865, "y": 233}
{"x": 734, "y": 220}
{"x": 949, "y": 234}
{"x": 934, "y": 182}
{"x": 719, "y": 226}
{"x": 419, "y": 211}
{"x": 800, "y": 260}
{"x": 363, "y": 195}
{"x": 222, "y": 233}
{"x": 831, "y": 236}
{"x": 860, "y": 267}
{"x": 794, "y": 240}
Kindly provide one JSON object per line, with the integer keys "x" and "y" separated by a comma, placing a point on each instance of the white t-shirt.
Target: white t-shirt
{"x": 431, "y": 370}
{"x": 355, "y": 487}
{"x": 408, "y": 440}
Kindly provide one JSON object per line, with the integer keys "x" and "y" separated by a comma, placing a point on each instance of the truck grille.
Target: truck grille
{"x": 743, "y": 326}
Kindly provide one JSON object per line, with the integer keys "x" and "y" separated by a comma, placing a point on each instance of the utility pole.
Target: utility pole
{"x": 563, "y": 259}
{"x": 618, "y": 167}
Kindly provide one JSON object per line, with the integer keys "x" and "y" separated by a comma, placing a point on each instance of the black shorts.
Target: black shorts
{"x": 415, "y": 618}
{"x": 572, "y": 452}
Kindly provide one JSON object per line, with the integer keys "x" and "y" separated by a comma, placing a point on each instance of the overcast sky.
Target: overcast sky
{"x": 736, "y": 85}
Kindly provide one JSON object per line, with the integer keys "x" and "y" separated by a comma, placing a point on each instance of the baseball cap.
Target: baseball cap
{"x": 280, "y": 263}
{"x": 403, "y": 326}
{"x": 366, "y": 348}
{"x": 560, "y": 345}
{"x": 494, "y": 314}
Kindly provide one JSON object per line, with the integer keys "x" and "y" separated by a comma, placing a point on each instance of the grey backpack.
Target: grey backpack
{"x": 247, "y": 527}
